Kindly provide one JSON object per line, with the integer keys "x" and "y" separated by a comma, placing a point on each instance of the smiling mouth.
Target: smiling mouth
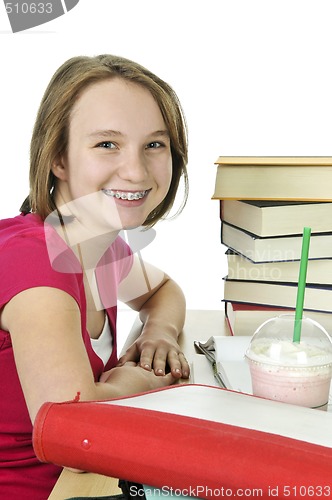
{"x": 126, "y": 195}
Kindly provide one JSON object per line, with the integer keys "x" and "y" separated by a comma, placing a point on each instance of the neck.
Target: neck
{"x": 89, "y": 252}
{"x": 88, "y": 246}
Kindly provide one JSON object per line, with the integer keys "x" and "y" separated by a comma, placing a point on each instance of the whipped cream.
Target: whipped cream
{"x": 288, "y": 353}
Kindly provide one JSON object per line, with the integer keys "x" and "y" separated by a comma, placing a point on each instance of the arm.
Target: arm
{"x": 162, "y": 312}
{"x": 50, "y": 356}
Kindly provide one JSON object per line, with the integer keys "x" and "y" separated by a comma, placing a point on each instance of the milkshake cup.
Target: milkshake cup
{"x": 298, "y": 373}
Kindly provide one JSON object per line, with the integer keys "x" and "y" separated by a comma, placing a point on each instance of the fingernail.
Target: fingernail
{"x": 147, "y": 366}
{"x": 160, "y": 371}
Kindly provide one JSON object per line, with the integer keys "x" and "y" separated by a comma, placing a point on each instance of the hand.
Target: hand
{"x": 157, "y": 352}
{"x": 131, "y": 378}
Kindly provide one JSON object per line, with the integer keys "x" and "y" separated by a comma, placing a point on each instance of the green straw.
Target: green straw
{"x": 301, "y": 284}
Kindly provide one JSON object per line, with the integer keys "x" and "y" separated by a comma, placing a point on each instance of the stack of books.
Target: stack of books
{"x": 265, "y": 202}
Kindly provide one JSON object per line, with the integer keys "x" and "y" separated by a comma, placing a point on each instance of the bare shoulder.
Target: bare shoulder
{"x": 51, "y": 360}
{"x": 35, "y": 305}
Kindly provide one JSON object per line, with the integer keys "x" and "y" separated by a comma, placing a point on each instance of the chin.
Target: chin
{"x": 130, "y": 221}
{"x": 131, "y": 225}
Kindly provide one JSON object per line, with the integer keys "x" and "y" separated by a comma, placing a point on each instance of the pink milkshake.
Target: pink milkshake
{"x": 283, "y": 370}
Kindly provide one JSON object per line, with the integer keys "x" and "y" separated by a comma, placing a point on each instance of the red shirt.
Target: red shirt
{"x": 29, "y": 259}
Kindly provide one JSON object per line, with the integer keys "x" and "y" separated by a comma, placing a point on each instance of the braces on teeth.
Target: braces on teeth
{"x": 125, "y": 196}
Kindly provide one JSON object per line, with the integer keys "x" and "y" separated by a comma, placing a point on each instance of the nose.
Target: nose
{"x": 133, "y": 167}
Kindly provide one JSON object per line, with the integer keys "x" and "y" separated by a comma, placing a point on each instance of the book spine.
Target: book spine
{"x": 229, "y": 321}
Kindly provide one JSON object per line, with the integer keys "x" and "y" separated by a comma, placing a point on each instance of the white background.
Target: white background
{"x": 253, "y": 76}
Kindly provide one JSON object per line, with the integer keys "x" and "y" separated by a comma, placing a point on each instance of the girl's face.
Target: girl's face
{"x": 118, "y": 164}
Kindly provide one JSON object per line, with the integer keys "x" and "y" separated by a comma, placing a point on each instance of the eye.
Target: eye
{"x": 155, "y": 145}
{"x": 106, "y": 145}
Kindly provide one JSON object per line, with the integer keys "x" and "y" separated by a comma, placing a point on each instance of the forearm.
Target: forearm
{"x": 164, "y": 311}
{"x": 162, "y": 314}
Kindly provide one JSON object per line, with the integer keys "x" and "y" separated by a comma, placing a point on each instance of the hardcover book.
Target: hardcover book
{"x": 192, "y": 438}
{"x": 319, "y": 271}
{"x": 277, "y": 218}
{"x": 274, "y": 178}
{"x": 282, "y": 295}
{"x": 244, "y": 318}
{"x": 274, "y": 249}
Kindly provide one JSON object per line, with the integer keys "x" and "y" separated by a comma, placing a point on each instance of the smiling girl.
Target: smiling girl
{"x": 107, "y": 153}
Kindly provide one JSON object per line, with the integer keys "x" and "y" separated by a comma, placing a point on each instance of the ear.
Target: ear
{"x": 59, "y": 167}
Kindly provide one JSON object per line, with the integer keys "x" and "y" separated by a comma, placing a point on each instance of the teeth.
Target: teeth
{"x": 125, "y": 196}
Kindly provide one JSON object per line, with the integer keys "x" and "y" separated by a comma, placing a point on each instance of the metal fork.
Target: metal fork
{"x": 210, "y": 357}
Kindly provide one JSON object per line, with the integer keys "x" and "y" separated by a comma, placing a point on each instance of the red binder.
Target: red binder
{"x": 195, "y": 439}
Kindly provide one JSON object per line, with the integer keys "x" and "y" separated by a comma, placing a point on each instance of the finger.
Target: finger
{"x": 131, "y": 354}
{"x": 178, "y": 364}
{"x": 165, "y": 380}
{"x": 160, "y": 361}
{"x": 147, "y": 357}
{"x": 169, "y": 379}
{"x": 185, "y": 368}
{"x": 76, "y": 471}
{"x": 174, "y": 363}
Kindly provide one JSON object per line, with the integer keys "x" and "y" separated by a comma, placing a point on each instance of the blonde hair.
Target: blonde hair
{"x": 50, "y": 133}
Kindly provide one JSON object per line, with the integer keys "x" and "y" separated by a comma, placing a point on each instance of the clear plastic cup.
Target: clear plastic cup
{"x": 283, "y": 370}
